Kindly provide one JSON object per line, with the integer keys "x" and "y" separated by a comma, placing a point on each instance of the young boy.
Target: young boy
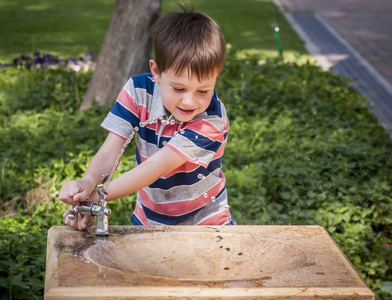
{"x": 181, "y": 130}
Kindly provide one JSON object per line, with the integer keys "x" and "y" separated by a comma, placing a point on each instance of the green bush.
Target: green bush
{"x": 310, "y": 153}
{"x": 303, "y": 149}
{"x": 21, "y": 272}
{"x": 46, "y": 141}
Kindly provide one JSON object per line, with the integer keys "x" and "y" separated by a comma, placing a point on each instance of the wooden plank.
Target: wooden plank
{"x": 148, "y": 292}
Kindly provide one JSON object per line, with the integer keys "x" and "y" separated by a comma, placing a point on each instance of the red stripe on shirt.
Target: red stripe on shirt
{"x": 183, "y": 155}
{"x": 220, "y": 218}
{"x": 207, "y": 129}
{"x": 127, "y": 101}
{"x": 139, "y": 212}
{"x": 181, "y": 207}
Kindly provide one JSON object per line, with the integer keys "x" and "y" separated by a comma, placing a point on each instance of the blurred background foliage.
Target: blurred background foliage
{"x": 303, "y": 148}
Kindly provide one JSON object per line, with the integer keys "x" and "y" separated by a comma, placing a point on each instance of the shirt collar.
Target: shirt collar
{"x": 157, "y": 110}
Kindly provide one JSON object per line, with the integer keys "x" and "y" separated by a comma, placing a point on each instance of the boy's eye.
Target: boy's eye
{"x": 178, "y": 90}
{"x": 203, "y": 92}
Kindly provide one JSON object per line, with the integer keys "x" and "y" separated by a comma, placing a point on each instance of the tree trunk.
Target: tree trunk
{"x": 126, "y": 49}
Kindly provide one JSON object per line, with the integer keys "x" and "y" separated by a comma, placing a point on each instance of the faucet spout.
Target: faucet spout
{"x": 102, "y": 219}
{"x": 102, "y": 209}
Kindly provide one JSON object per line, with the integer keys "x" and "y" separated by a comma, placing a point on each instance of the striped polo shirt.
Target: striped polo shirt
{"x": 195, "y": 192}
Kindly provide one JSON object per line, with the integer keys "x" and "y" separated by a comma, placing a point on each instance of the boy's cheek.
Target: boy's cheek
{"x": 168, "y": 98}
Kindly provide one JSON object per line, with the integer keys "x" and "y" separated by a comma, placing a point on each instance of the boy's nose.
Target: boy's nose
{"x": 188, "y": 100}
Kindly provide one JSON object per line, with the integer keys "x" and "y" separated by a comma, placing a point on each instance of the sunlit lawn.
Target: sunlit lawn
{"x": 71, "y": 28}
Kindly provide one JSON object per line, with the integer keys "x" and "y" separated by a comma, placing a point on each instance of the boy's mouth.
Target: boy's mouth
{"x": 186, "y": 111}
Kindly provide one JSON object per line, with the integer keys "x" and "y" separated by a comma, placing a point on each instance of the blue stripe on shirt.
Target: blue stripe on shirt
{"x": 123, "y": 113}
{"x": 186, "y": 178}
{"x": 168, "y": 220}
{"x": 143, "y": 81}
{"x": 214, "y": 108}
{"x": 202, "y": 142}
{"x": 148, "y": 135}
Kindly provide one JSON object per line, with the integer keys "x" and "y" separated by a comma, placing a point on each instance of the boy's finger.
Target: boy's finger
{"x": 74, "y": 223}
{"x": 84, "y": 223}
{"x": 80, "y": 197}
{"x": 71, "y": 202}
{"x": 63, "y": 196}
{"x": 66, "y": 198}
{"x": 73, "y": 190}
{"x": 90, "y": 222}
{"x": 67, "y": 212}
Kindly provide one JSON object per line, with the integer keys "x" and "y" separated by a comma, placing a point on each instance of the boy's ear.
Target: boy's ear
{"x": 154, "y": 71}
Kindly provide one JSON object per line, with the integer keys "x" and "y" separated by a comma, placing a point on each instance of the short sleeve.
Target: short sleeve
{"x": 201, "y": 140}
{"x": 123, "y": 117}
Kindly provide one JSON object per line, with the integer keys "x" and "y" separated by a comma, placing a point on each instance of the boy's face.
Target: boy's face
{"x": 184, "y": 96}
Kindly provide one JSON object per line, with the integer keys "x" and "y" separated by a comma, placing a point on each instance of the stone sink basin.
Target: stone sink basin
{"x": 200, "y": 262}
{"x": 203, "y": 256}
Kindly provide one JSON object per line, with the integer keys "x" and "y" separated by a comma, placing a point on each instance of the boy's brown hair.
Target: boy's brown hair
{"x": 189, "y": 40}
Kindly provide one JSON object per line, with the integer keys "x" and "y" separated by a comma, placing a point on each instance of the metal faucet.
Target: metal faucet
{"x": 100, "y": 210}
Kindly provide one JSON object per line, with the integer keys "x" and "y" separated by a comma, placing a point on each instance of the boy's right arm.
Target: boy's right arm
{"x": 74, "y": 192}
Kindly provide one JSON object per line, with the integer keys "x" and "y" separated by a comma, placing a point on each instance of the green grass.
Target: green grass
{"x": 247, "y": 25}
{"x": 60, "y": 27}
{"x": 69, "y": 29}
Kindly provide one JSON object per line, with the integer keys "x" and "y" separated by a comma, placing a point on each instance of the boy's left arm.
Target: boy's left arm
{"x": 162, "y": 162}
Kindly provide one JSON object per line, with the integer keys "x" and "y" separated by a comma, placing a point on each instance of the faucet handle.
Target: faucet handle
{"x": 72, "y": 215}
{"x": 97, "y": 210}
{"x": 84, "y": 210}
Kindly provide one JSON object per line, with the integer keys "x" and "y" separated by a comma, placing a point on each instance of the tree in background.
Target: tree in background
{"x": 125, "y": 51}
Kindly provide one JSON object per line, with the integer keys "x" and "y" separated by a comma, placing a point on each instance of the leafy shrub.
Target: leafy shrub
{"x": 303, "y": 149}
{"x": 46, "y": 141}
{"x": 21, "y": 272}
{"x": 310, "y": 153}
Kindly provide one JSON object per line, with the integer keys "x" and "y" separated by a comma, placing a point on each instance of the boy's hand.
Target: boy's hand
{"x": 81, "y": 222}
{"x": 76, "y": 191}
